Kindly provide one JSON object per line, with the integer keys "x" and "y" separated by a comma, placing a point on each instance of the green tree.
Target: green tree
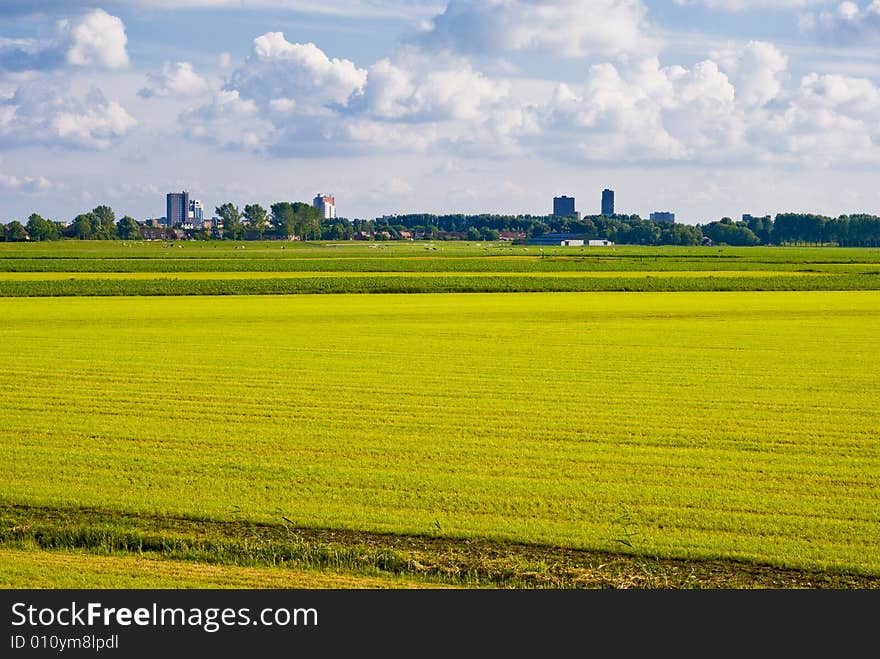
{"x": 726, "y": 232}
{"x": 283, "y": 219}
{"x": 680, "y": 234}
{"x": 106, "y": 225}
{"x": 308, "y": 220}
{"x": 127, "y": 228}
{"x": 84, "y": 226}
{"x": 257, "y": 219}
{"x": 15, "y": 232}
{"x": 230, "y": 217}
{"x": 761, "y": 227}
{"x": 39, "y": 228}
{"x": 488, "y": 234}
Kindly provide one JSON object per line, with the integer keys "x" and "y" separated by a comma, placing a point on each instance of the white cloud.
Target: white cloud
{"x": 93, "y": 40}
{"x": 98, "y": 39}
{"x": 278, "y": 69}
{"x": 757, "y": 71}
{"x": 178, "y": 80}
{"x": 571, "y": 28}
{"x": 828, "y": 120}
{"x": 849, "y": 22}
{"x": 854, "y": 96}
{"x": 737, "y": 106}
{"x": 44, "y": 112}
{"x": 28, "y": 184}
{"x": 292, "y": 98}
{"x": 644, "y": 113}
{"x": 419, "y": 88}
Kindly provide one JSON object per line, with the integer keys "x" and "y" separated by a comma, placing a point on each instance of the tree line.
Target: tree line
{"x": 301, "y": 220}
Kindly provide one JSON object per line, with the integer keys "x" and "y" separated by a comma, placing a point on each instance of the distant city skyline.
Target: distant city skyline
{"x": 705, "y": 108}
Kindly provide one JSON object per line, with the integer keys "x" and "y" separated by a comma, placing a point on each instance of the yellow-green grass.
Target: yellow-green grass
{"x": 452, "y": 256}
{"x": 603, "y": 274}
{"x": 696, "y": 425}
{"x": 272, "y": 249}
{"x": 56, "y": 569}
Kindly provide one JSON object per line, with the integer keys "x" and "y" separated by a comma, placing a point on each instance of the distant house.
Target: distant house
{"x": 511, "y": 235}
{"x": 559, "y": 239}
{"x": 600, "y": 243}
{"x": 157, "y": 233}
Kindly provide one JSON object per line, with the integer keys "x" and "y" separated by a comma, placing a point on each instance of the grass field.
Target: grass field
{"x": 734, "y": 427}
{"x": 84, "y": 268}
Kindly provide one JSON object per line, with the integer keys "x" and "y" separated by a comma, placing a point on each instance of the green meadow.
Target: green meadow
{"x": 686, "y": 439}
{"x": 113, "y": 268}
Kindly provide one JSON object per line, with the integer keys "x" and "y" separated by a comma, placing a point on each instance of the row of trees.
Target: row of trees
{"x": 283, "y": 219}
{"x": 301, "y": 220}
{"x": 98, "y": 224}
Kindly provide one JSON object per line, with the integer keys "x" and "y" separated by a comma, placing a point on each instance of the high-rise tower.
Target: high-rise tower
{"x": 176, "y": 208}
{"x": 607, "y": 202}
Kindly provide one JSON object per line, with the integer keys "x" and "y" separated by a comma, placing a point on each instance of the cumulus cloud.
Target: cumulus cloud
{"x": 178, "y": 80}
{"x": 855, "y": 96}
{"x": 847, "y": 23}
{"x": 94, "y": 40}
{"x": 289, "y": 97}
{"x": 97, "y": 39}
{"x": 757, "y": 71}
{"x": 568, "y": 27}
{"x": 644, "y": 112}
{"x": 44, "y": 113}
{"x": 279, "y": 69}
{"x": 738, "y": 105}
{"x": 416, "y": 88}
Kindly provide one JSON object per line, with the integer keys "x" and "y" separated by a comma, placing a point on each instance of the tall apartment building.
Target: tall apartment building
{"x": 196, "y": 213}
{"x": 607, "y": 202}
{"x": 326, "y": 204}
{"x": 563, "y": 206}
{"x": 176, "y": 208}
{"x": 663, "y": 216}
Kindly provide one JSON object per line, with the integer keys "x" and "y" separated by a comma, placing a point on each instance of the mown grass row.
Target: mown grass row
{"x": 437, "y": 250}
{"x": 448, "y": 284}
{"x": 521, "y": 262}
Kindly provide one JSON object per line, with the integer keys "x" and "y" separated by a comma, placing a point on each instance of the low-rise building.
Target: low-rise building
{"x": 559, "y": 239}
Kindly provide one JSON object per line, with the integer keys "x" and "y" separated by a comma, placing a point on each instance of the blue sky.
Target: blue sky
{"x": 705, "y": 108}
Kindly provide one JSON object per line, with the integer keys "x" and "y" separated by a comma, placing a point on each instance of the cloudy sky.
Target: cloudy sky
{"x": 701, "y": 107}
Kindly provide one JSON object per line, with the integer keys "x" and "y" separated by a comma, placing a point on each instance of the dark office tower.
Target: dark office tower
{"x": 176, "y": 208}
{"x": 607, "y": 202}
{"x": 563, "y": 206}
